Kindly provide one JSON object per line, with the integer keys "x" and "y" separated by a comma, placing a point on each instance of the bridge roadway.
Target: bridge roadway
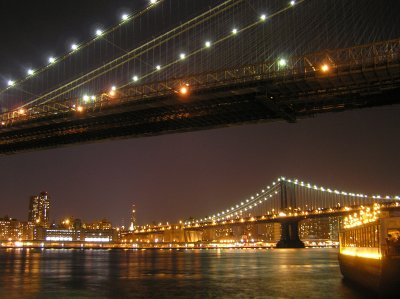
{"x": 289, "y": 222}
{"x": 332, "y": 80}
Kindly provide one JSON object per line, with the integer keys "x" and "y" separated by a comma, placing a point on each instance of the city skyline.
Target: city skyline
{"x": 189, "y": 174}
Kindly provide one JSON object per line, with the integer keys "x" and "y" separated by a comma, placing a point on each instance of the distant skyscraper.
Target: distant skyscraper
{"x": 39, "y": 209}
{"x": 133, "y": 219}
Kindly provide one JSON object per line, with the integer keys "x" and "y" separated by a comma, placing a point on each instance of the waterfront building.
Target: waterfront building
{"x": 99, "y": 225}
{"x": 39, "y": 210}
{"x": 9, "y": 229}
{"x": 320, "y": 228}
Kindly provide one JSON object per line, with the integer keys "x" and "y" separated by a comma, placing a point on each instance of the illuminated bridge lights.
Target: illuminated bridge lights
{"x": 325, "y": 68}
{"x": 99, "y": 32}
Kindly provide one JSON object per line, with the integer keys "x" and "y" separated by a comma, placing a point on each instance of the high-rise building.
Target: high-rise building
{"x": 133, "y": 219}
{"x": 39, "y": 209}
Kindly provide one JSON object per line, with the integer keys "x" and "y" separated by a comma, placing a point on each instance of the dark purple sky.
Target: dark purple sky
{"x": 191, "y": 174}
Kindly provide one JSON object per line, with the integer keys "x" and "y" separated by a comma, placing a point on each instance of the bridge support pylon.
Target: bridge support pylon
{"x": 290, "y": 236}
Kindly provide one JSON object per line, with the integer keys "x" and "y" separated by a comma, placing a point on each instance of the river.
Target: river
{"x": 224, "y": 273}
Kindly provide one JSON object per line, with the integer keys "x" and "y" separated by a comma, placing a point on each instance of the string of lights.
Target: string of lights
{"x": 99, "y": 33}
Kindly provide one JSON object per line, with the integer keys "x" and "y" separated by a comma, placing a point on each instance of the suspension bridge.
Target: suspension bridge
{"x": 285, "y": 201}
{"x": 215, "y": 64}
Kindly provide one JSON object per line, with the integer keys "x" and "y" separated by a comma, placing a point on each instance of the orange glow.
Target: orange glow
{"x": 184, "y": 90}
{"x": 21, "y": 111}
{"x": 325, "y": 68}
{"x": 79, "y": 109}
{"x": 112, "y": 93}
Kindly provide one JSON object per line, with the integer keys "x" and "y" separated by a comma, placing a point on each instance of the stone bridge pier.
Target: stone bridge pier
{"x": 290, "y": 235}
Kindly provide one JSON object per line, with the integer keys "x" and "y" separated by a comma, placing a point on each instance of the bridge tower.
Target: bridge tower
{"x": 289, "y": 228}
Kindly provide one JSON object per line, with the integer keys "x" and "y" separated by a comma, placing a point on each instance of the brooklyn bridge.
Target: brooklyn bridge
{"x": 223, "y": 63}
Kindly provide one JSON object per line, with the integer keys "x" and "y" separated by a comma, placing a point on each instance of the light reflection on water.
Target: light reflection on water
{"x": 287, "y": 273}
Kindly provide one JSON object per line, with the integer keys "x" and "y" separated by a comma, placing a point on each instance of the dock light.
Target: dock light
{"x": 10, "y": 82}
{"x": 234, "y": 31}
{"x": 325, "y": 68}
{"x": 124, "y": 17}
{"x": 158, "y": 67}
{"x": 52, "y": 60}
{"x": 207, "y": 44}
{"x": 30, "y": 72}
{"x": 153, "y": 1}
{"x": 292, "y": 3}
{"x": 99, "y": 32}
{"x": 135, "y": 78}
{"x": 74, "y": 47}
{"x": 182, "y": 56}
{"x": 263, "y": 17}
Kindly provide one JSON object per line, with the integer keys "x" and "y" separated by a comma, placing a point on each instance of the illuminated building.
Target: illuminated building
{"x": 9, "y": 229}
{"x": 12, "y": 229}
{"x": 39, "y": 210}
{"x": 99, "y": 225}
{"x": 320, "y": 228}
{"x": 133, "y": 219}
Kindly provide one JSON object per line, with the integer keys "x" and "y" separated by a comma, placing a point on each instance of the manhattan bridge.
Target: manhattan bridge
{"x": 214, "y": 64}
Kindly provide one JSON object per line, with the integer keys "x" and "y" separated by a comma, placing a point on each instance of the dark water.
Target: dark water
{"x": 307, "y": 273}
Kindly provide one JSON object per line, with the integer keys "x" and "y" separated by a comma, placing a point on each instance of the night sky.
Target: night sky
{"x": 174, "y": 177}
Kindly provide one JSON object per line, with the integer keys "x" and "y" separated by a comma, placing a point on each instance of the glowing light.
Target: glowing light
{"x": 21, "y": 111}
{"x": 207, "y": 44}
{"x": 74, "y": 47}
{"x": 234, "y": 31}
{"x": 153, "y": 1}
{"x": 99, "y": 32}
{"x": 282, "y": 63}
{"x": 182, "y": 56}
{"x": 30, "y": 72}
{"x": 292, "y": 3}
{"x": 158, "y": 67}
{"x": 135, "y": 78}
{"x": 10, "y": 82}
{"x": 124, "y": 17}
{"x": 52, "y": 60}
{"x": 263, "y": 17}
{"x": 325, "y": 68}
{"x": 86, "y": 98}
{"x": 184, "y": 90}
{"x": 93, "y": 98}
{"x": 366, "y": 253}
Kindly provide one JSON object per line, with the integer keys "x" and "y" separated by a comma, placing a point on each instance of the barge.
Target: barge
{"x": 370, "y": 249}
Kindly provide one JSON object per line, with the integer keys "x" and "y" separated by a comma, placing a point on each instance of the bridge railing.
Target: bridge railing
{"x": 359, "y": 57}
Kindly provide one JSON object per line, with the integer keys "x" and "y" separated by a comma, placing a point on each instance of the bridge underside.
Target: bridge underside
{"x": 287, "y": 99}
